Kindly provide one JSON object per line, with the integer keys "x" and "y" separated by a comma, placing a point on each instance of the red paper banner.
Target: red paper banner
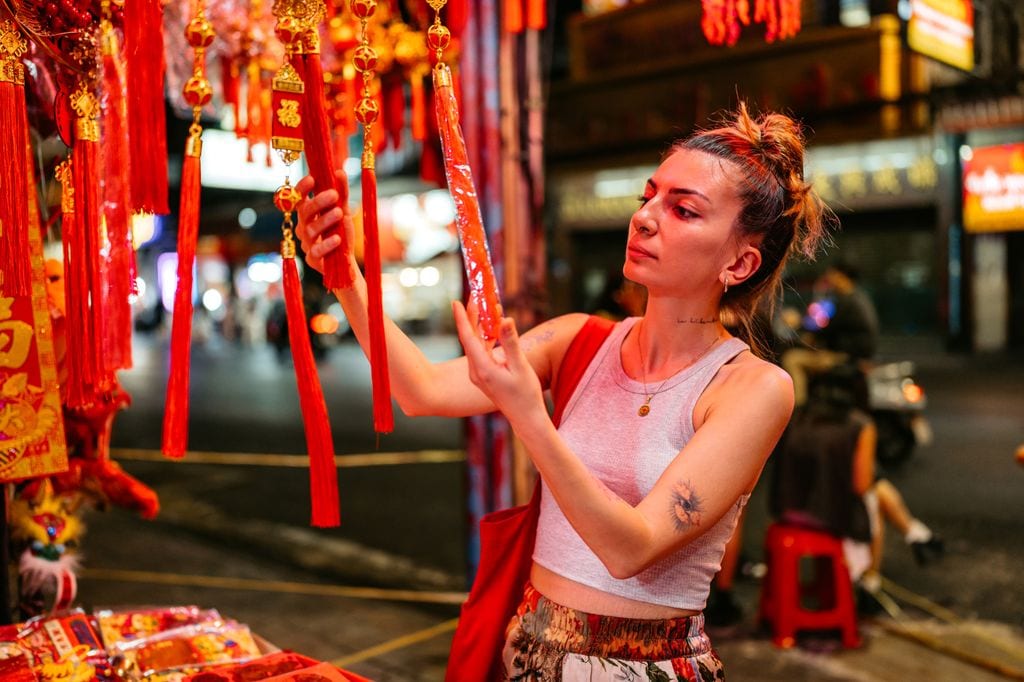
{"x": 31, "y": 429}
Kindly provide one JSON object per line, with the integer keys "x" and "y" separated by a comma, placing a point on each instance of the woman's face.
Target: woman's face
{"x": 682, "y": 236}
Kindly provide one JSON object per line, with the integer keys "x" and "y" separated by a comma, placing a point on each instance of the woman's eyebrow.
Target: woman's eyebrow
{"x": 680, "y": 190}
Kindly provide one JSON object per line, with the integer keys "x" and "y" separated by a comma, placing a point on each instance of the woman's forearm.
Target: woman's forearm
{"x": 416, "y": 382}
{"x": 615, "y": 531}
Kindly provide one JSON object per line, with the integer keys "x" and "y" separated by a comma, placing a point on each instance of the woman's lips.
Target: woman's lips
{"x": 638, "y": 252}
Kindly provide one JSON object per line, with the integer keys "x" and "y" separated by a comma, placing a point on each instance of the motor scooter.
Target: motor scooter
{"x": 896, "y": 403}
{"x": 889, "y": 392}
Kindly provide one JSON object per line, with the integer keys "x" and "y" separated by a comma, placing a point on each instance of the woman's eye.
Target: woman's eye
{"x": 684, "y": 212}
{"x": 643, "y": 199}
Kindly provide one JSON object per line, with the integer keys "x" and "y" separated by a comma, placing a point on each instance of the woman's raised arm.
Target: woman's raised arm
{"x": 420, "y": 386}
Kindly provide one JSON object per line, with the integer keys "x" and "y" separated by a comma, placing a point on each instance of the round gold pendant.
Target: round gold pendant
{"x": 644, "y": 410}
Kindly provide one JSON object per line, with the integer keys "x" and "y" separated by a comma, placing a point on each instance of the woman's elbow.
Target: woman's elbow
{"x": 626, "y": 567}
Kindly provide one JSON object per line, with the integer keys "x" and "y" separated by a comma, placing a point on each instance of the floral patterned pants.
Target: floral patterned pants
{"x": 548, "y": 642}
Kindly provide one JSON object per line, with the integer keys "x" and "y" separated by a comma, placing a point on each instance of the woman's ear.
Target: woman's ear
{"x": 743, "y": 267}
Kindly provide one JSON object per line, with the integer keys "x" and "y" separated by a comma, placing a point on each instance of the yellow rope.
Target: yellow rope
{"x": 292, "y": 461}
{"x": 223, "y": 582}
{"x": 397, "y": 643}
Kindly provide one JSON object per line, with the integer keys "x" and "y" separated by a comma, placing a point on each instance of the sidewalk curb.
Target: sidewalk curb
{"x": 342, "y": 560}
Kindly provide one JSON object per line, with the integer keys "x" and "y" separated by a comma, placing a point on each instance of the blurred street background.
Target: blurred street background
{"x": 379, "y": 594}
{"x": 915, "y": 120}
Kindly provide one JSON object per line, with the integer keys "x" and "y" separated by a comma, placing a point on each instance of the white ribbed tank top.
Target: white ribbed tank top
{"x": 628, "y": 453}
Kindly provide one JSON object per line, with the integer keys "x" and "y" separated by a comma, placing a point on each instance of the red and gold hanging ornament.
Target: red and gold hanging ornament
{"x": 197, "y": 93}
{"x": 521, "y": 14}
{"x": 289, "y": 110}
{"x": 308, "y": 14}
{"x": 722, "y": 19}
{"x": 144, "y": 50}
{"x": 14, "y": 253}
{"x": 483, "y": 285}
{"x": 365, "y": 61}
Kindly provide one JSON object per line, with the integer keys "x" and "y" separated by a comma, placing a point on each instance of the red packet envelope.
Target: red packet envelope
{"x": 175, "y": 654}
{"x": 14, "y": 663}
{"x": 64, "y": 648}
{"x": 131, "y": 624}
{"x": 32, "y": 435}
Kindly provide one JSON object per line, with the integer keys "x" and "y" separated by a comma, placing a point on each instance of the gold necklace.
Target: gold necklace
{"x": 645, "y": 409}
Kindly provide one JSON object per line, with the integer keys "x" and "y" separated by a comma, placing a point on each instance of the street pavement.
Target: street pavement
{"x": 379, "y": 595}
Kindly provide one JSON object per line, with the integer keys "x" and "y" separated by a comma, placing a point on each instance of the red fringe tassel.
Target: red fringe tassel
{"x": 14, "y": 253}
{"x": 175, "y": 434}
{"x": 316, "y": 135}
{"x": 383, "y": 418}
{"x": 323, "y": 473}
{"x": 83, "y": 278}
{"x": 120, "y": 274}
{"x": 144, "y": 52}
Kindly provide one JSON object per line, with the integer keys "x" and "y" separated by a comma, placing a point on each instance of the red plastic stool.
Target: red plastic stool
{"x": 782, "y": 592}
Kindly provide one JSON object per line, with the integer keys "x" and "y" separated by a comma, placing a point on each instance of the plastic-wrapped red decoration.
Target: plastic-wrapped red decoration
{"x": 483, "y": 285}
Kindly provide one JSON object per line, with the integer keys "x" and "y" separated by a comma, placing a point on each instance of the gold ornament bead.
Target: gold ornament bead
{"x": 199, "y": 32}
{"x": 289, "y": 30}
{"x": 367, "y": 111}
{"x": 286, "y": 198}
{"x": 197, "y": 91}
{"x": 365, "y": 58}
{"x": 364, "y": 9}
{"x": 438, "y": 37}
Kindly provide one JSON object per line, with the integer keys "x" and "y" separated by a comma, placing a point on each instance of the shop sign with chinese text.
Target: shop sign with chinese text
{"x": 994, "y": 189}
{"x": 943, "y": 30}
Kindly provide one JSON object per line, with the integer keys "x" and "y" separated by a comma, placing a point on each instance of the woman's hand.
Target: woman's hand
{"x": 503, "y": 374}
{"x": 320, "y": 214}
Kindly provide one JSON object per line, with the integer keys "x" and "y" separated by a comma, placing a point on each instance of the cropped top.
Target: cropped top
{"x": 628, "y": 453}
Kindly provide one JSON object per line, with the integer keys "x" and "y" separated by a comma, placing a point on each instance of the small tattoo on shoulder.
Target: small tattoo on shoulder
{"x": 696, "y": 320}
{"x": 687, "y": 507}
{"x": 542, "y": 336}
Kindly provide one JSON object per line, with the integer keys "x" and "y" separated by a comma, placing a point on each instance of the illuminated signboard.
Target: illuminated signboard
{"x": 943, "y": 30}
{"x": 994, "y": 189}
{"x": 227, "y": 164}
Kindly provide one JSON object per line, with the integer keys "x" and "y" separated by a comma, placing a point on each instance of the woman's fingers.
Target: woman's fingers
{"x": 514, "y": 355}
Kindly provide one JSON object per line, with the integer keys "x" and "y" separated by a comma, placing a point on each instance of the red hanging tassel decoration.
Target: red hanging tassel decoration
{"x": 175, "y": 430}
{"x": 393, "y": 97}
{"x": 316, "y": 135}
{"x": 367, "y": 112}
{"x": 120, "y": 273}
{"x": 383, "y": 417}
{"x": 536, "y": 14}
{"x": 197, "y": 92}
{"x": 74, "y": 391}
{"x": 323, "y": 473}
{"x": 418, "y": 106}
{"x": 286, "y": 137}
{"x": 513, "y": 16}
{"x": 144, "y": 50}
{"x": 15, "y": 276}
{"x": 85, "y": 241}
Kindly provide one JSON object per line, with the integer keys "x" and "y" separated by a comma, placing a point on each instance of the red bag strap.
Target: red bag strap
{"x": 576, "y": 360}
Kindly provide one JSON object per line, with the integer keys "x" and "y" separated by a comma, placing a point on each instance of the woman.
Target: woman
{"x": 826, "y": 478}
{"x": 667, "y": 431}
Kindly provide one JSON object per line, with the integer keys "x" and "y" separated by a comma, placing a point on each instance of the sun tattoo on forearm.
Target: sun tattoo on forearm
{"x": 687, "y": 507}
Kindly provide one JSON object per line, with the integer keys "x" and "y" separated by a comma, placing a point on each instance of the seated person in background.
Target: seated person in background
{"x": 824, "y": 478}
{"x": 851, "y": 335}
